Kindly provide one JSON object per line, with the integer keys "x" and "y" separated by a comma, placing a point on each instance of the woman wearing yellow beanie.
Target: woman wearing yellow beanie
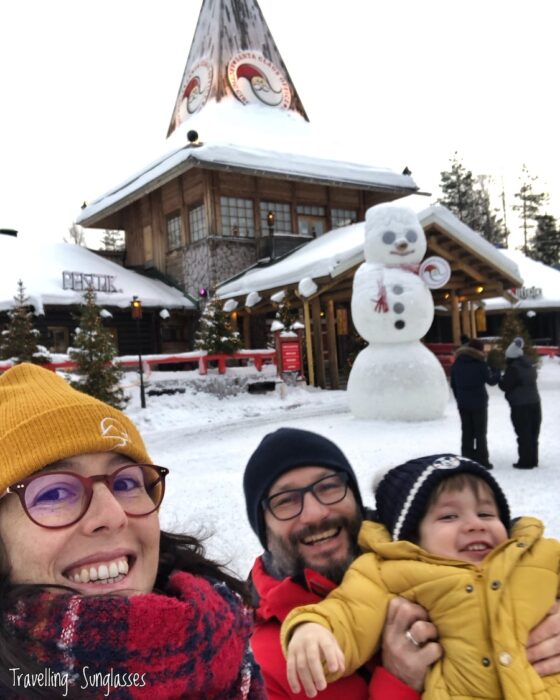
{"x": 95, "y": 600}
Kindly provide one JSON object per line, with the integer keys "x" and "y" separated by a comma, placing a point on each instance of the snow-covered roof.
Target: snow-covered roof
{"x": 40, "y": 266}
{"x": 540, "y": 289}
{"x": 469, "y": 239}
{"x": 343, "y": 248}
{"x": 255, "y": 139}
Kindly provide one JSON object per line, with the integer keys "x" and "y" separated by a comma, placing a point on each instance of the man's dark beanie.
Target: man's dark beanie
{"x": 285, "y": 449}
{"x": 403, "y": 494}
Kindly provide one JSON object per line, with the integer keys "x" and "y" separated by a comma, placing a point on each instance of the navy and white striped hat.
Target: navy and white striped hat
{"x": 403, "y": 493}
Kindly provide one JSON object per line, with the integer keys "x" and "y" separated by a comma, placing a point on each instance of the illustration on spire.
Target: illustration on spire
{"x": 233, "y": 54}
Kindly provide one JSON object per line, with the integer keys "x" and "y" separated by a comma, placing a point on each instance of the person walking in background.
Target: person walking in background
{"x": 469, "y": 375}
{"x": 519, "y": 382}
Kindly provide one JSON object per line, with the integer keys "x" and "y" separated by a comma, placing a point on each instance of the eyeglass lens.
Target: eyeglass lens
{"x": 55, "y": 499}
{"x": 289, "y": 504}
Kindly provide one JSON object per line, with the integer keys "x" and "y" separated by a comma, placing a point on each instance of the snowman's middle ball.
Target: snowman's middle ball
{"x": 390, "y": 304}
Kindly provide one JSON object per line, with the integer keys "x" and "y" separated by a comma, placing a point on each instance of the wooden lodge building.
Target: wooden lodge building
{"x": 247, "y": 190}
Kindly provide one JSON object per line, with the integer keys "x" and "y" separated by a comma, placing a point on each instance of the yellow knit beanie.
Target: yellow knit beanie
{"x": 43, "y": 420}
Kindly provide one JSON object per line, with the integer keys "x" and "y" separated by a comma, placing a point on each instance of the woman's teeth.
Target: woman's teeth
{"x": 103, "y": 573}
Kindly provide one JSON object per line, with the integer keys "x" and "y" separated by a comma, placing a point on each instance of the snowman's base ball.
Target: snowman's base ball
{"x": 397, "y": 381}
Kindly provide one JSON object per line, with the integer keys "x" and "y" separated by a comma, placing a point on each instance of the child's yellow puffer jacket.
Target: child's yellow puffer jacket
{"x": 483, "y": 613}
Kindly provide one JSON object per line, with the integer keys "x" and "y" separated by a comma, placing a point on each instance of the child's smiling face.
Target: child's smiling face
{"x": 462, "y": 524}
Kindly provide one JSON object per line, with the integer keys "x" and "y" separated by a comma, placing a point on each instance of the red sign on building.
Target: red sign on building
{"x": 290, "y": 356}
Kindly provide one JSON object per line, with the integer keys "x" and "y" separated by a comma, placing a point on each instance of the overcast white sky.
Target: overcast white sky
{"x": 87, "y": 89}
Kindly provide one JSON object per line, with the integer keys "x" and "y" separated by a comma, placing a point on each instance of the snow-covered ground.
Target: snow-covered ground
{"x": 206, "y": 443}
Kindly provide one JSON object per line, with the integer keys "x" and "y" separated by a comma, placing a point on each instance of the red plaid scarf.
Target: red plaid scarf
{"x": 191, "y": 643}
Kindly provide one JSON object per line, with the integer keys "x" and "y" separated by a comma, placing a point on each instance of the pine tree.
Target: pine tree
{"x": 76, "y": 235}
{"x": 286, "y": 314}
{"x": 215, "y": 334}
{"x": 19, "y": 341}
{"x": 545, "y": 244}
{"x": 468, "y": 198}
{"x": 94, "y": 352}
{"x": 112, "y": 240}
{"x": 512, "y": 327}
{"x": 530, "y": 203}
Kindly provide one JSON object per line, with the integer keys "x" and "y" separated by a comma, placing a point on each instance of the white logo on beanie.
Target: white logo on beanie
{"x": 450, "y": 462}
{"x": 113, "y": 429}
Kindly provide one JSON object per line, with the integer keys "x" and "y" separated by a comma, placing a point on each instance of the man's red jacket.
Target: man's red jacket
{"x": 275, "y": 600}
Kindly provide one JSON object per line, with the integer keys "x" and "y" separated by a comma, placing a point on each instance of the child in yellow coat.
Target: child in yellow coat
{"x": 444, "y": 541}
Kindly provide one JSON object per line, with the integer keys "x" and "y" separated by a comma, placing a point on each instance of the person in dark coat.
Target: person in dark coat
{"x": 519, "y": 383}
{"x": 469, "y": 375}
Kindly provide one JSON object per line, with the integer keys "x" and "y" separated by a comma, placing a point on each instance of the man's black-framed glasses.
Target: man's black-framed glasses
{"x": 55, "y": 499}
{"x": 289, "y": 504}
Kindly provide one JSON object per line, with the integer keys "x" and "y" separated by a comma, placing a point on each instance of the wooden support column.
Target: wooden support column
{"x": 331, "y": 345}
{"x": 247, "y": 330}
{"x": 465, "y": 319}
{"x": 472, "y": 320}
{"x": 455, "y": 321}
{"x": 318, "y": 343}
{"x": 308, "y": 344}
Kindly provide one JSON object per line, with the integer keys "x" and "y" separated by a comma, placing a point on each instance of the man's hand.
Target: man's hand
{"x": 310, "y": 645}
{"x": 543, "y": 645}
{"x": 408, "y": 657}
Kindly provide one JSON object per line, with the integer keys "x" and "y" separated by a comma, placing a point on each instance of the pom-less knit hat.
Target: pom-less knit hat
{"x": 403, "y": 493}
{"x": 515, "y": 348}
{"x": 281, "y": 451}
{"x": 43, "y": 420}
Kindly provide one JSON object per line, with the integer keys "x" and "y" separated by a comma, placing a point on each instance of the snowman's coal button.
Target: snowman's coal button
{"x": 399, "y": 325}
{"x": 397, "y": 289}
{"x": 389, "y": 237}
{"x": 411, "y": 236}
{"x": 398, "y": 308}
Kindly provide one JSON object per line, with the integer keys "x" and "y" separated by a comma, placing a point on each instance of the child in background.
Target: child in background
{"x": 443, "y": 540}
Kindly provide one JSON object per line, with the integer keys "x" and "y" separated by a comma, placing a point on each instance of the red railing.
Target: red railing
{"x": 199, "y": 359}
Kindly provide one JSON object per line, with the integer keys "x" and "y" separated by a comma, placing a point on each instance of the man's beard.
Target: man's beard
{"x": 284, "y": 558}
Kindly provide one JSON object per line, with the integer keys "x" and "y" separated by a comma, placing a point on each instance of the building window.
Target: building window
{"x": 282, "y": 217}
{"x": 197, "y": 223}
{"x": 343, "y": 217}
{"x": 237, "y": 217}
{"x": 174, "y": 232}
{"x": 57, "y": 339}
{"x": 311, "y": 220}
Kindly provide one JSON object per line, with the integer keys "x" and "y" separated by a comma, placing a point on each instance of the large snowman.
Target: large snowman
{"x": 396, "y": 377}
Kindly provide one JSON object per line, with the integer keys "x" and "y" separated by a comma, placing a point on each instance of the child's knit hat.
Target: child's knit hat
{"x": 43, "y": 420}
{"x": 403, "y": 493}
{"x": 515, "y": 348}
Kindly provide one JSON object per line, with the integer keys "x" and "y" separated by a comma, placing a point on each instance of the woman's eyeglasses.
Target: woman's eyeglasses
{"x": 59, "y": 498}
{"x": 289, "y": 504}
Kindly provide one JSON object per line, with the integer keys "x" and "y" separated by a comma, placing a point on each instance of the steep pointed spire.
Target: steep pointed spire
{"x": 233, "y": 53}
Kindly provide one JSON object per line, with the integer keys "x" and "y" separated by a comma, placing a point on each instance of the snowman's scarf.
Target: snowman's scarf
{"x": 381, "y": 304}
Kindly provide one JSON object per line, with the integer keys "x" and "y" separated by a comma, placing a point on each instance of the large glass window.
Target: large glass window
{"x": 311, "y": 220}
{"x": 343, "y": 217}
{"x": 282, "y": 217}
{"x": 237, "y": 217}
{"x": 197, "y": 223}
{"x": 174, "y": 232}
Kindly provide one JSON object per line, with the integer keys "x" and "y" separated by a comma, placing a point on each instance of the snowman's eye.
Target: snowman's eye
{"x": 411, "y": 236}
{"x": 389, "y": 237}
{"x": 397, "y": 289}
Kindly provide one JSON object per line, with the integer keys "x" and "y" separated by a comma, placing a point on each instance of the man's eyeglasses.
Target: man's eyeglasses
{"x": 58, "y": 498}
{"x": 289, "y": 504}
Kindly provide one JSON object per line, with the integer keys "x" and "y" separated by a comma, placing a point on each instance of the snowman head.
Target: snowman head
{"x": 393, "y": 236}
{"x": 390, "y": 305}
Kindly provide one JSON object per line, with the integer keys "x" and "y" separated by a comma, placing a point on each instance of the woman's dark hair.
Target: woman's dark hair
{"x": 177, "y": 552}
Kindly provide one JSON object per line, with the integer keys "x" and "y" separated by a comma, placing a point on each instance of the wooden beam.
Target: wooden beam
{"x": 308, "y": 344}
{"x": 465, "y": 318}
{"x": 469, "y": 269}
{"x": 247, "y": 330}
{"x": 318, "y": 343}
{"x": 331, "y": 345}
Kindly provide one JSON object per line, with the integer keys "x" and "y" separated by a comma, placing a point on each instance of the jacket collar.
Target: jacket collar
{"x": 276, "y": 598}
